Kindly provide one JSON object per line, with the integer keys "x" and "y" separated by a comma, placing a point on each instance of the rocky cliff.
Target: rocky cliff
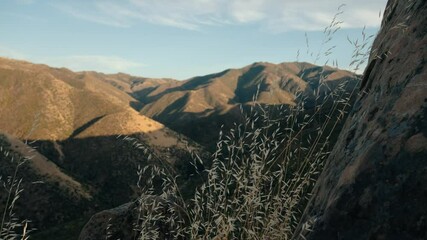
{"x": 374, "y": 185}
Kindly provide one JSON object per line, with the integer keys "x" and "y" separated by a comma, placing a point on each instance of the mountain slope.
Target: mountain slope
{"x": 203, "y": 104}
{"x": 43, "y": 103}
{"x": 50, "y": 196}
{"x": 45, "y": 168}
{"x": 76, "y": 123}
{"x": 279, "y": 84}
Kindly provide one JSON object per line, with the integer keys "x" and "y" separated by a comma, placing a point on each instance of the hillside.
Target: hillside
{"x": 76, "y": 123}
{"x": 203, "y": 104}
{"x": 50, "y": 195}
{"x": 42, "y": 103}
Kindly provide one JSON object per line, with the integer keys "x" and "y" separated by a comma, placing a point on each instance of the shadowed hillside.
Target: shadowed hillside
{"x": 198, "y": 107}
{"x": 75, "y": 124}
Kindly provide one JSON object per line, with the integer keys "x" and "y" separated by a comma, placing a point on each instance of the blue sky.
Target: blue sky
{"x": 180, "y": 38}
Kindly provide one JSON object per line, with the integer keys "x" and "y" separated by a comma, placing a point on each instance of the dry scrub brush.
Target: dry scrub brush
{"x": 259, "y": 180}
{"x": 262, "y": 172}
{"x": 11, "y": 227}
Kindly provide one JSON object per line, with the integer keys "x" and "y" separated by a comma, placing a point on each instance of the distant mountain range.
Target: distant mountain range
{"x": 76, "y": 122}
{"x": 199, "y": 106}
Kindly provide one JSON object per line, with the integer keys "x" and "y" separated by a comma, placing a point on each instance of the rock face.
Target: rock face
{"x": 374, "y": 185}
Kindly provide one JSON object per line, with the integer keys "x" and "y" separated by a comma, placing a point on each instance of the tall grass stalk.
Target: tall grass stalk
{"x": 11, "y": 228}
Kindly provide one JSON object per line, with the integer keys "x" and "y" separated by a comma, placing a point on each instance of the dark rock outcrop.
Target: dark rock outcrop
{"x": 123, "y": 222}
{"x": 116, "y": 223}
{"x": 374, "y": 185}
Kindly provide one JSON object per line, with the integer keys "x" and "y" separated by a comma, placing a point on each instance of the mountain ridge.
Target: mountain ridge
{"x": 73, "y": 129}
{"x": 79, "y": 125}
{"x": 194, "y": 103}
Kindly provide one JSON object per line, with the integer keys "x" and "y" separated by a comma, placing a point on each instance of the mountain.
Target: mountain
{"x": 72, "y": 127}
{"x": 42, "y": 103}
{"x": 198, "y": 107}
{"x": 75, "y": 123}
{"x": 374, "y": 184}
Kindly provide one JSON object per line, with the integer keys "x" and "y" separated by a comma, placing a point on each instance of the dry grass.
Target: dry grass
{"x": 258, "y": 183}
{"x": 261, "y": 173}
{"x": 11, "y": 227}
{"x": 258, "y": 180}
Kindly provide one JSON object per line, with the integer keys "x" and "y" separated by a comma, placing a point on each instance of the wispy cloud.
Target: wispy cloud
{"x": 245, "y": 11}
{"x": 100, "y": 63}
{"x": 277, "y": 15}
{"x": 11, "y": 53}
{"x": 107, "y": 64}
{"x": 26, "y": 2}
{"x": 92, "y": 16}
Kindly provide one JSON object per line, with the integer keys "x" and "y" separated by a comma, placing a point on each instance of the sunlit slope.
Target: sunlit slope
{"x": 43, "y": 103}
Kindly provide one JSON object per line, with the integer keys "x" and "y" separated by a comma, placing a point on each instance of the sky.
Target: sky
{"x": 184, "y": 38}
